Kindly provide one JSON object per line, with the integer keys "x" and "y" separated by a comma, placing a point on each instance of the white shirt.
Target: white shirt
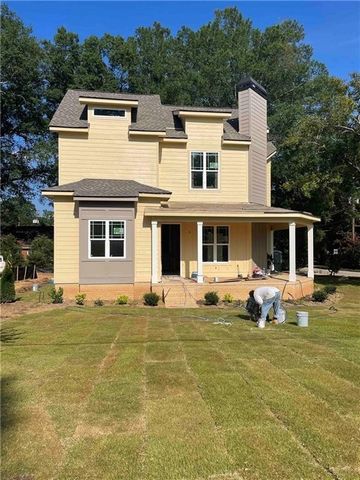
{"x": 264, "y": 293}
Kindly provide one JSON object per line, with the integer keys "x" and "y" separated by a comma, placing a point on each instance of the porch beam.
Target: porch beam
{"x": 310, "y": 245}
{"x": 154, "y": 252}
{"x": 200, "y": 275}
{"x": 292, "y": 252}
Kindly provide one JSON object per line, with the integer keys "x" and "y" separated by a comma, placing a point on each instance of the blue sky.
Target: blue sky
{"x": 332, "y": 28}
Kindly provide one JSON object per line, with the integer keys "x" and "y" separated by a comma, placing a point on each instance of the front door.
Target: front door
{"x": 170, "y": 249}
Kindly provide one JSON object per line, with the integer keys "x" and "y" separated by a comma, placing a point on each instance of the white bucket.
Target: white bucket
{"x": 35, "y": 287}
{"x": 302, "y": 319}
{"x": 281, "y": 315}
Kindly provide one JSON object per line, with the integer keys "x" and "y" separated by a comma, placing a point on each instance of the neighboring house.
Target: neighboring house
{"x": 149, "y": 190}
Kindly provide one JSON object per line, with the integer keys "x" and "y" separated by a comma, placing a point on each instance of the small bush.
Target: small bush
{"x": 211, "y": 298}
{"x": 228, "y": 298}
{"x": 151, "y": 299}
{"x": 80, "y": 298}
{"x": 56, "y": 295}
{"x": 330, "y": 289}
{"x": 319, "y": 296}
{"x": 98, "y": 302}
{"x": 7, "y": 294}
{"x": 122, "y": 300}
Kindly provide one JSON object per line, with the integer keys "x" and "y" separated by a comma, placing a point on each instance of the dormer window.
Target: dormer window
{"x": 109, "y": 112}
{"x": 205, "y": 170}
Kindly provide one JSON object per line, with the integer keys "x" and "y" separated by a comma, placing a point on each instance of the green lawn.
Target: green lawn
{"x": 141, "y": 393}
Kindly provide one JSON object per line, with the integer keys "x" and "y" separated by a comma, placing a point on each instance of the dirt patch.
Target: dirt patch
{"x": 331, "y": 300}
{"x": 25, "y": 285}
{"x": 16, "y": 309}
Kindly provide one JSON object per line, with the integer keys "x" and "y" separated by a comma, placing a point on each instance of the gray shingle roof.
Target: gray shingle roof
{"x": 230, "y": 207}
{"x": 93, "y": 187}
{"x": 271, "y": 149}
{"x": 151, "y": 114}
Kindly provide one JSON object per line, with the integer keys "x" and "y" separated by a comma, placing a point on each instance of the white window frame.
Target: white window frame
{"x": 112, "y": 117}
{"x": 107, "y": 239}
{"x": 215, "y": 244}
{"x": 204, "y": 171}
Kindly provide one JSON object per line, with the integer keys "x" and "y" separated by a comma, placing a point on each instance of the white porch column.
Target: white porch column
{"x": 154, "y": 252}
{"x": 310, "y": 245}
{"x": 200, "y": 276}
{"x": 270, "y": 242}
{"x": 292, "y": 252}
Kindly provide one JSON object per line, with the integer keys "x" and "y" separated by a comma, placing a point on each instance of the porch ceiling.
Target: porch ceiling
{"x": 240, "y": 212}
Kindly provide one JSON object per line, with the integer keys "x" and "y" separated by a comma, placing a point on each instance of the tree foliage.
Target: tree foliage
{"x": 42, "y": 252}
{"x": 314, "y": 118}
{"x": 10, "y": 250}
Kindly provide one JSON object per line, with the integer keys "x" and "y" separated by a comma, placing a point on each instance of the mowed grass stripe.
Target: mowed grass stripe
{"x": 182, "y": 440}
{"x": 318, "y": 427}
{"x": 241, "y": 414}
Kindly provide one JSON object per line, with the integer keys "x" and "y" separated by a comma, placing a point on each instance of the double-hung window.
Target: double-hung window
{"x": 107, "y": 238}
{"x": 205, "y": 170}
{"x": 216, "y": 244}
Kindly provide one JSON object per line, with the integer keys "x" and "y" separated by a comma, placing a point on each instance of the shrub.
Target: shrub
{"x": 80, "y": 298}
{"x": 98, "y": 302}
{"x": 211, "y": 298}
{"x": 228, "y": 298}
{"x": 151, "y": 299}
{"x": 7, "y": 285}
{"x": 56, "y": 295}
{"x": 329, "y": 289}
{"x": 122, "y": 300}
{"x": 11, "y": 251}
{"x": 319, "y": 296}
{"x": 42, "y": 252}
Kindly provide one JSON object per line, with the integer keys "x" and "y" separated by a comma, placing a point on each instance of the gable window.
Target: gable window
{"x": 216, "y": 244}
{"x": 107, "y": 238}
{"x": 109, "y": 112}
{"x": 205, "y": 170}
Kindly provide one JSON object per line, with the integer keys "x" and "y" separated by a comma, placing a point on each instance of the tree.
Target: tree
{"x": 10, "y": 250}
{"x": 17, "y": 211}
{"x": 42, "y": 252}
{"x": 24, "y": 148}
{"x": 61, "y": 61}
{"x": 47, "y": 218}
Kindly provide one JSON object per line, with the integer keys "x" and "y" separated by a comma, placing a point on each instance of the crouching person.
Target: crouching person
{"x": 267, "y": 297}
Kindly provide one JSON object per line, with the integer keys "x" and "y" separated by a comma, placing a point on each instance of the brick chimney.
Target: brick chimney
{"x": 252, "y": 101}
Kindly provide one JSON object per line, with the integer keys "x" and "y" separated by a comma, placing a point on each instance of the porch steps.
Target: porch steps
{"x": 178, "y": 296}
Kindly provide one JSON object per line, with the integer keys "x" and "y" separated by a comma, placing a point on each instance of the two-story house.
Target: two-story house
{"x": 149, "y": 193}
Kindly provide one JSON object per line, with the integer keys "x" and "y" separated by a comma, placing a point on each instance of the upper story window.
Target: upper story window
{"x": 107, "y": 239}
{"x": 205, "y": 170}
{"x": 109, "y": 112}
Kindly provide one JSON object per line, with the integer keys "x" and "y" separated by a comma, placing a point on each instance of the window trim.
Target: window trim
{"x": 112, "y": 117}
{"x": 215, "y": 244}
{"x": 107, "y": 239}
{"x": 204, "y": 171}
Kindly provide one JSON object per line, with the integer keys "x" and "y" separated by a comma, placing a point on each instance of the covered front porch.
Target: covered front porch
{"x": 220, "y": 245}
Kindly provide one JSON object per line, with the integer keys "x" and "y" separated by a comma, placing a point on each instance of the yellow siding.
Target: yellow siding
{"x": 66, "y": 241}
{"x": 107, "y": 152}
{"x": 240, "y": 252}
{"x": 268, "y": 183}
{"x": 143, "y": 242}
{"x": 174, "y": 173}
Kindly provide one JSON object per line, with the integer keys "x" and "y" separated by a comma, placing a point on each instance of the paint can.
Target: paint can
{"x": 302, "y": 319}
